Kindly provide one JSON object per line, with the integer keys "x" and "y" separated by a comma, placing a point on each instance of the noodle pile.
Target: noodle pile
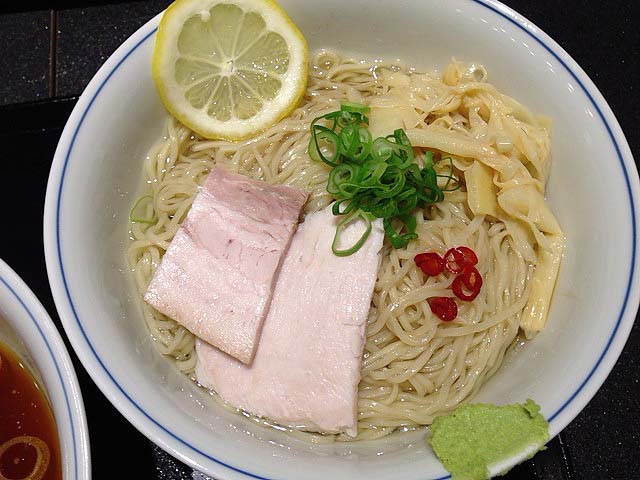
{"x": 415, "y": 366}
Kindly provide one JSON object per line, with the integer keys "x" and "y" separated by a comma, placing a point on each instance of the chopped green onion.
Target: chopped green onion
{"x": 374, "y": 178}
{"x": 142, "y": 211}
{"x": 354, "y": 107}
{"x": 449, "y": 178}
{"x": 330, "y": 139}
{"x": 344, "y": 224}
{"x": 397, "y": 239}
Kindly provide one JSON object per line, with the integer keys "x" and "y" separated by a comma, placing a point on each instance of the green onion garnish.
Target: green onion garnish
{"x": 142, "y": 211}
{"x": 374, "y": 178}
{"x": 342, "y": 225}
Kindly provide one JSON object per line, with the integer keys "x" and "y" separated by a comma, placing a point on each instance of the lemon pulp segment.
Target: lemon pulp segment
{"x": 229, "y": 70}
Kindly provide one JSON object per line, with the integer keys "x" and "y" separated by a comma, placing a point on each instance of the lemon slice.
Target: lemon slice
{"x": 229, "y": 69}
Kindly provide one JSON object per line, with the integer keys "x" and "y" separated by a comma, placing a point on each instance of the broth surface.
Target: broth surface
{"x": 29, "y": 446}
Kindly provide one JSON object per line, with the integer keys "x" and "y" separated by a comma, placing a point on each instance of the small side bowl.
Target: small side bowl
{"x": 25, "y": 326}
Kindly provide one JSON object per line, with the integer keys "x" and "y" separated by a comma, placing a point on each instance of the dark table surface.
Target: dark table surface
{"x": 49, "y": 50}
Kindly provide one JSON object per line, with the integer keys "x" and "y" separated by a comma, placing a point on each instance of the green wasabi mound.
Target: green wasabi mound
{"x": 475, "y": 441}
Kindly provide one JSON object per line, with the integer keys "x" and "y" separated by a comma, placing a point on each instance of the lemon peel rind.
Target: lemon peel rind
{"x": 172, "y": 95}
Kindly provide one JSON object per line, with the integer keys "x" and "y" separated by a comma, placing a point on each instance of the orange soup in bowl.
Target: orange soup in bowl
{"x": 29, "y": 446}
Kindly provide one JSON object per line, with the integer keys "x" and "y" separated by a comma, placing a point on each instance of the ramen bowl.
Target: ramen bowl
{"x": 27, "y": 329}
{"x": 97, "y": 171}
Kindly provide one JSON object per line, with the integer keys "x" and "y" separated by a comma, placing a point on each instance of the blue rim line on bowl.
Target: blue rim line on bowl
{"x": 633, "y": 212}
{"x": 67, "y": 395}
{"x": 490, "y": 6}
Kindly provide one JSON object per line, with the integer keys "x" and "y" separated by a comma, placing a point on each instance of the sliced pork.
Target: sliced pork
{"x": 218, "y": 274}
{"x": 307, "y": 366}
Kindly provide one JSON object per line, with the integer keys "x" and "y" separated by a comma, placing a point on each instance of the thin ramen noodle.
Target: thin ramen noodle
{"x": 415, "y": 366}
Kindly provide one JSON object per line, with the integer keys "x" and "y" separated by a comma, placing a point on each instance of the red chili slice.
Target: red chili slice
{"x": 456, "y": 259}
{"x": 430, "y": 263}
{"x": 444, "y": 308}
{"x": 471, "y": 279}
{"x": 470, "y": 257}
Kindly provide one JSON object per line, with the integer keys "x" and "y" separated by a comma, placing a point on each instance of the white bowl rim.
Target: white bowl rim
{"x": 179, "y": 447}
{"x": 79, "y": 454}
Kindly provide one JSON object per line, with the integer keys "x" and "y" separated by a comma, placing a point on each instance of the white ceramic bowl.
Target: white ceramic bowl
{"x": 28, "y": 330}
{"x": 593, "y": 190}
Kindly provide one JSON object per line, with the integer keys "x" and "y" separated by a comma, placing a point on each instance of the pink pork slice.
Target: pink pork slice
{"x": 218, "y": 274}
{"x": 307, "y": 366}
